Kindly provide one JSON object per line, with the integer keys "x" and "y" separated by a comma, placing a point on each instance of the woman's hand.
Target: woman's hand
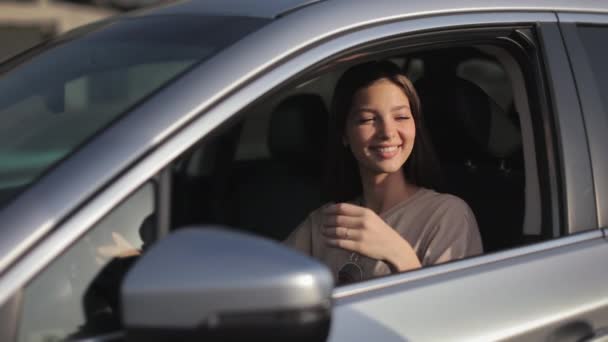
{"x": 120, "y": 249}
{"x": 360, "y": 230}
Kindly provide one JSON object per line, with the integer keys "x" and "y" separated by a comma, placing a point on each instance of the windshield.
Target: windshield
{"x": 55, "y": 98}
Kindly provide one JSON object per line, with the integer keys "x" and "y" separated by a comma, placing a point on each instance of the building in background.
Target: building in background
{"x": 24, "y": 23}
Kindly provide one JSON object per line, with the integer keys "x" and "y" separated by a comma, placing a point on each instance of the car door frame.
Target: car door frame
{"x": 163, "y": 154}
{"x": 363, "y": 310}
{"x": 595, "y": 112}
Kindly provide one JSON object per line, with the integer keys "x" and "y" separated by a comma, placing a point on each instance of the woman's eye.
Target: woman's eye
{"x": 403, "y": 117}
{"x": 365, "y": 120}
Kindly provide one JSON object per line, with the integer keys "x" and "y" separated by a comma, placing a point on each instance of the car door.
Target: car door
{"x": 552, "y": 290}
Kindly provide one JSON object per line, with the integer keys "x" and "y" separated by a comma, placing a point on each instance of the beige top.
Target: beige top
{"x": 439, "y": 227}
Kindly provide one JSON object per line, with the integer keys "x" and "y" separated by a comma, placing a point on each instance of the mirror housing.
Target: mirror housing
{"x": 210, "y": 283}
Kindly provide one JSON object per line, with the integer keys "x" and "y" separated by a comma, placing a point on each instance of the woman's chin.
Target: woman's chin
{"x": 385, "y": 168}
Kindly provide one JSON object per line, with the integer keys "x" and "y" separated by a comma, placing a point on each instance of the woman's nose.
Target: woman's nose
{"x": 387, "y": 129}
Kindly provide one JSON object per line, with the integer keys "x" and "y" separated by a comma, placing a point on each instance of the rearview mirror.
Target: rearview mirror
{"x": 213, "y": 284}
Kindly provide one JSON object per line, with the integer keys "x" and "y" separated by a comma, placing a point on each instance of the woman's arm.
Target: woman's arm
{"x": 301, "y": 237}
{"x": 456, "y": 237}
{"x": 361, "y": 230}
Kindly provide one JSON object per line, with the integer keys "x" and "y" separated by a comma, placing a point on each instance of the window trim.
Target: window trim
{"x": 536, "y": 201}
{"x": 228, "y": 108}
{"x": 578, "y": 211}
{"x": 10, "y": 312}
{"x": 595, "y": 112}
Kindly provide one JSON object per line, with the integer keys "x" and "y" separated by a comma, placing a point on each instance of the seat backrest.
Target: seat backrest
{"x": 272, "y": 196}
{"x": 476, "y": 147}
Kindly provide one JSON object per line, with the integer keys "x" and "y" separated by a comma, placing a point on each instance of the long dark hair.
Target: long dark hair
{"x": 343, "y": 180}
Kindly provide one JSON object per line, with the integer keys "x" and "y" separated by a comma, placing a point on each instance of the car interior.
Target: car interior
{"x": 264, "y": 173}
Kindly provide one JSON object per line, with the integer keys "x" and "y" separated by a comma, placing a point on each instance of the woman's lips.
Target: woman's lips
{"x": 386, "y": 152}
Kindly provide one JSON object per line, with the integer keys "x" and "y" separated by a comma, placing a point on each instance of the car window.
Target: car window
{"x": 77, "y": 294}
{"x": 266, "y": 173}
{"x": 593, "y": 38}
{"x": 57, "y": 96}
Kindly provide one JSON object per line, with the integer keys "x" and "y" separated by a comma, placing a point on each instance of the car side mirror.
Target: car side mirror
{"x": 214, "y": 284}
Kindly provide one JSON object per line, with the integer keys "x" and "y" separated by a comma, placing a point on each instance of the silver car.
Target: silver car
{"x": 152, "y": 163}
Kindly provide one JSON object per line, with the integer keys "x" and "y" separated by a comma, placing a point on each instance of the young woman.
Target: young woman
{"x": 384, "y": 216}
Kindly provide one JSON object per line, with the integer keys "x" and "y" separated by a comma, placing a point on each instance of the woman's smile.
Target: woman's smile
{"x": 386, "y": 152}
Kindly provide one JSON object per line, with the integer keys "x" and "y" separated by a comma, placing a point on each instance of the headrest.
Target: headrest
{"x": 458, "y": 115}
{"x": 298, "y": 130}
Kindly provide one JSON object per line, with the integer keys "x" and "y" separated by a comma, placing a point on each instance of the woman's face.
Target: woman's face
{"x": 380, "y": 128}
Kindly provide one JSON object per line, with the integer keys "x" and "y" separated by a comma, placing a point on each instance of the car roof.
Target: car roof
{"x": 278, "y": 8}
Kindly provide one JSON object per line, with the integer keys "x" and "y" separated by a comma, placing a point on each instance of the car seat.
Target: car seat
{"x": 271, "y": 196}
{"x": 479, "y": 155}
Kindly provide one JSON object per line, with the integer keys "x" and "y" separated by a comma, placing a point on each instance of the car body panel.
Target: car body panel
{"x": 594, "y": 110}
{"x": 328, "y": 12}
{"x": 528, "y": 297}
{"x": 579, "y": 211}
{"x": 9, "y": 317}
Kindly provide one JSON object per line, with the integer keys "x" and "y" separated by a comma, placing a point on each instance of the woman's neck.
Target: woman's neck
{"x": 382, "y": 192}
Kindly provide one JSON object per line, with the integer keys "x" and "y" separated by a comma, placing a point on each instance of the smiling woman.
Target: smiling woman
{"x": 386, "y": 217}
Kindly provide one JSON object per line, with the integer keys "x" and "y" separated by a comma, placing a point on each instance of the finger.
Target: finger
{"x": 129, "y": 253}
{"x": 349, "y": 245}
{"x": 120, "y": 241}
{"x": 346, "y": 209}
{"x": 331, "y": 220}
{"x": 342, "y": 233}
{"x": 107, "y": 251}
{"x": 115, "y": 251}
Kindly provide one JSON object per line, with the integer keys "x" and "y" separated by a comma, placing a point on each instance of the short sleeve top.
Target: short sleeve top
{"x": 439, "y": 227}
